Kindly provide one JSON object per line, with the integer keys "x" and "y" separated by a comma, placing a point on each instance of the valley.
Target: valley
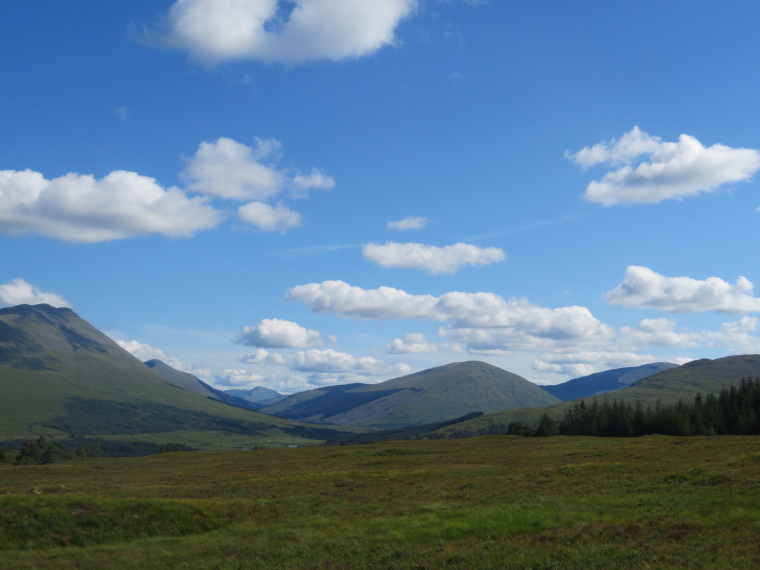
{"x": 488, "y": 502}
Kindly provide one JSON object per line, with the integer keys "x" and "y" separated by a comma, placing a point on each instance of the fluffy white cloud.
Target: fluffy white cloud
{"x": 302, "y": 183}
{"x": 644, "y": 288}
{"x": 671, "y": 170}
{"x": 276, "y": 31}
{"x": 531, "y": 334}
{"x": 19, "y": 292}
{"x": 736, "y": 336}
{"x": 321, "y": 361}
{"x": 277, "y": 218}
{"x": 434, "y": 260}
{"x": 143, "y": 351}
{"x": 79, "y": 208}
{"x": 229, "y": 169}
{"x": 412, "y": 343}
{"x": 408, "y": 223}
{"x": 278, "y": 333}
{"x": 658, "y": 332}
{"x": 385, "y": 303}
{"x": 463, "y": 310}
{"x": 238, "y": 378}
{"x": 584, "y": 363}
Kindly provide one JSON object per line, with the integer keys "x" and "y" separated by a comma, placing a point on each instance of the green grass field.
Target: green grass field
{"x": 490, "y": 502}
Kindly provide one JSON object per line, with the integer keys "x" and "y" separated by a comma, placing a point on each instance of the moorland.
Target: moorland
{"x": 486, "y": 502}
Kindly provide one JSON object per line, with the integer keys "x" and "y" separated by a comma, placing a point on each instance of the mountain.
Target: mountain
{"x": 259, "y": 395}
{"x": 61, "y": 376}
{"x": 433, "y": 395}
{"x": 607, "y": 381}
{"x": 683, "y": 382}
{"x": 195, "y": 384}
{"x": 668, "y": 386}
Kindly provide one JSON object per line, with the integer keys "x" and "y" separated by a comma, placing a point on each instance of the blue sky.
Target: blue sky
{"x": 298, "y": 194}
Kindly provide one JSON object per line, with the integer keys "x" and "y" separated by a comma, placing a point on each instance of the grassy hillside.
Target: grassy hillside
{"x": 60, "y": 375}
{"x": 607, "y": 381}
{"x": 433, "y": 395}
{"x": 668, "y": 386}
{"x": 491, "y": 502}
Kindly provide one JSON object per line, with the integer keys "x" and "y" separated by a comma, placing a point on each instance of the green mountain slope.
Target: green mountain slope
{"x": 668, "y": 386}
{"x": 607, "y": 381}
{"x": 433, "y": 395}
{"x": 59, "y": 375}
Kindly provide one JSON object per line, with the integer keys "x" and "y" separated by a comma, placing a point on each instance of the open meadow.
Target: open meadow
{"x": 488, "y": 502}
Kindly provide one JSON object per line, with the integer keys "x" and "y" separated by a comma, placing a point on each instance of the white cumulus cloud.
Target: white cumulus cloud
{"x": 81, "y": 208}
{"x": 412, "y": 343}
{"x": 302, "y": 183}
{"x": 265, "y": 217}
{"x": 384, "y": 303}
{"x": 19, "y": 292}
{"x": 408, "y": 223}
{"x": 229, "y": 169}
{"x": 435, "y": 260}
{"x": 278, "y": 31}
{"x": 143, "y": 351}
{"x": 238, "y": 378}
{"x": 278, "y": 333}
{"x": 659, "y": 332}
{"x": 669, "y": 170}
{"x": 322, "y": 362}
{"x": 737, "y": 336}
{"x": 644, "y": 288}
{"x": 584, "y": 363}
{"x": 517, "y": 317}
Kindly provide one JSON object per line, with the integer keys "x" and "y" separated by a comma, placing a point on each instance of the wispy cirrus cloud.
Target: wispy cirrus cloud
{"x": 669, "y": 170}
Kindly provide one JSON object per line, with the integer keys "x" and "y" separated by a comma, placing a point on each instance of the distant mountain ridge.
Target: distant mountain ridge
{"x": 259, "y": 395}
{"x": 667, "y": 387}
{"x": 604, "y": 382}
{"x": 195, "y": 384}
{"x": 61, "y": 376}
{"x": 433, "y": 395}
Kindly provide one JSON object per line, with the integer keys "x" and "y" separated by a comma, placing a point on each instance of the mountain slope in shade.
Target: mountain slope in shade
{"x": 669, "y": 386}
{"x": 437, "y": 394}
{"x": 195, "y": 384}
{"x": 59, "y": 375}
{"x": 607, "y": 381}
{"x": 259, "y": 394}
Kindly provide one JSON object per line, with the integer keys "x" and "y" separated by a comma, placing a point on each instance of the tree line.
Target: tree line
{"x": 734, "y": 411}
{"x": 42, "y": 451}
